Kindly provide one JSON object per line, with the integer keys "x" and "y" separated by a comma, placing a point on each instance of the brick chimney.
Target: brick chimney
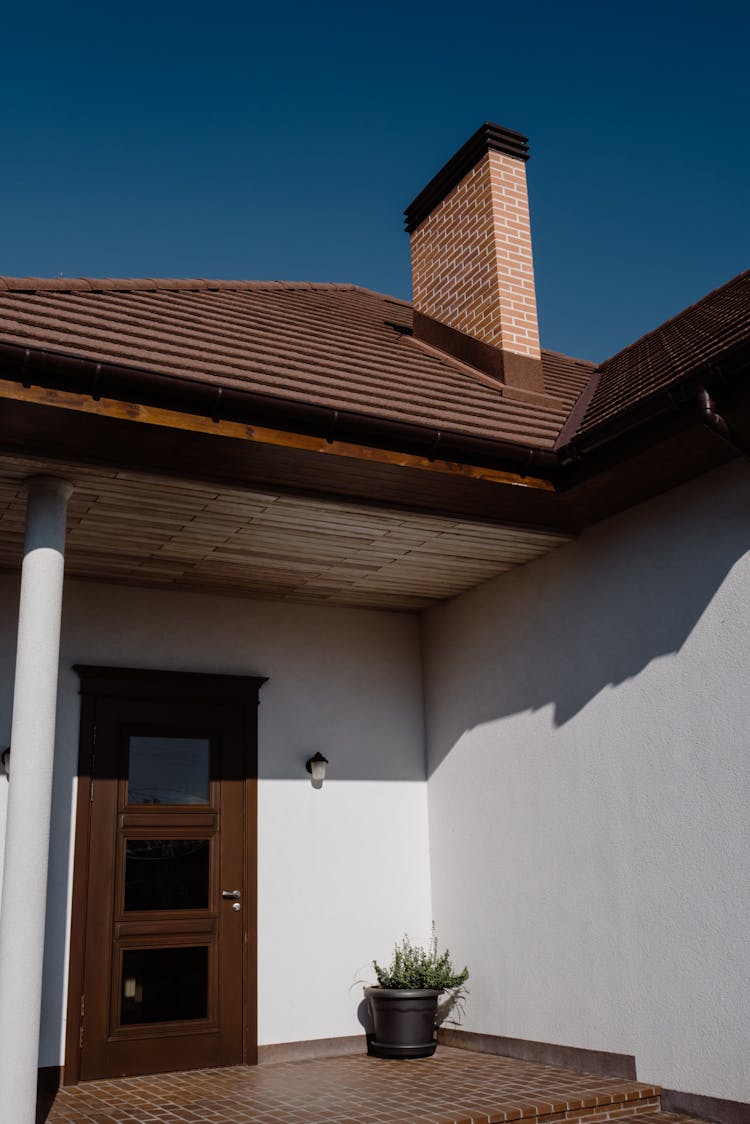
{"x": 472, "y": 270}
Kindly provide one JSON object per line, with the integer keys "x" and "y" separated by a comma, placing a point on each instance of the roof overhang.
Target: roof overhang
{"x": 62, "y": 404}
{"x": 181, "y": 485}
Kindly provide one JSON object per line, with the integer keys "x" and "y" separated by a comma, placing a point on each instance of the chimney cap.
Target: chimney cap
{"x": 487, "y": 137}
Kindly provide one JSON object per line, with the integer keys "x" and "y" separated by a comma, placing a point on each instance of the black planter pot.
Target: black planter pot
{"x": 404, "y": 1022}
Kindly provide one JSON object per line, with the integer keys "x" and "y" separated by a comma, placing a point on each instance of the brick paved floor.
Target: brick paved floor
{"x": 453, "y": 1087}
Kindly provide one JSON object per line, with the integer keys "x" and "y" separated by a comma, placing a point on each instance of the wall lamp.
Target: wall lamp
{"x": 316, "y": 767}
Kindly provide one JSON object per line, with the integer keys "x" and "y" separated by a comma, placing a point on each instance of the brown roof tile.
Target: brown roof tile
{"x": 689, "y": 342}
{"x": 336, "y": 345}
{"x": 564, "y": 376}
{"x": 350, "y": 348}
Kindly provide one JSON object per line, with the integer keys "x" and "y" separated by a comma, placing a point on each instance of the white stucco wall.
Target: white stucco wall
{"x": 588, "y": 795}
{"x": 589, "y": 791}
{"x": 343, "y": 870}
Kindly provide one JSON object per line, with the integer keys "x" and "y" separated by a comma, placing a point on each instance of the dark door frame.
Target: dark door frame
{"x": 165, "y": 686}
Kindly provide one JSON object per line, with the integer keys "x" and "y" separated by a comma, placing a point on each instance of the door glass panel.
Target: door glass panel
{"x": 164, "y": 985}
{"x": 166, "y": 874}
{"x": 165, "y": 770}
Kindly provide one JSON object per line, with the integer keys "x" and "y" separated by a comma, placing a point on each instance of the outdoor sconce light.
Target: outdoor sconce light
{"x": 5, "y": 760}
{"x": 316, "y": 767}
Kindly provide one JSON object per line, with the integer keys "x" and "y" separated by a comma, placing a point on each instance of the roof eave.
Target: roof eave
{"x": 575, "y": 457}
{"x": 720, "y": 375}
{"x": 38, "y": 366}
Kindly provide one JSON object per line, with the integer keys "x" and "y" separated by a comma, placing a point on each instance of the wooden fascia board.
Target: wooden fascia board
{"x": 194, "y": 423}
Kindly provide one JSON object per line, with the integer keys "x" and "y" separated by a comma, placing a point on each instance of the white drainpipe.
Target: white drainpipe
{"x": 24, "y": 891}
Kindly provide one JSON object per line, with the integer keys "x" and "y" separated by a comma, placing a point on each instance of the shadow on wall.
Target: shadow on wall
{"x": 590, "y": 615}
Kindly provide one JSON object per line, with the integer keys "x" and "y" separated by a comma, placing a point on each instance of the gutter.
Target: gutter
{"x": 227, "y": 402}
{"x": 678, "y": 398}
{"x": 718, "y": 424}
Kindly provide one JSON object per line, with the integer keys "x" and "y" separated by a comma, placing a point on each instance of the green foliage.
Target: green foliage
{"x": 415, "y": 967}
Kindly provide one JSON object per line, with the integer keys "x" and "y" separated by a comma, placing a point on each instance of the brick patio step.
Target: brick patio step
{"x": 616, "y": 1102}
{"x": 453, "y": 1087}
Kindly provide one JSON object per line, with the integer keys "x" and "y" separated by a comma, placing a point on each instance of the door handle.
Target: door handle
{"x": 232, "y": 894}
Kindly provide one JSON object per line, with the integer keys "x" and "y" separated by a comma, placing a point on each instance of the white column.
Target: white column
{"x": 24, "y": 893}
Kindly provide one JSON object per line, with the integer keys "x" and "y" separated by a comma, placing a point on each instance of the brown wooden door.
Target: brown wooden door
{"x": 170, "y": 887}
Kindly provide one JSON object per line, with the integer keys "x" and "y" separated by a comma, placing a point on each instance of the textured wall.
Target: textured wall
{"x": 335, "y": 888}
{"x": 589, "y": 791}
{"x": 587, "y": 725}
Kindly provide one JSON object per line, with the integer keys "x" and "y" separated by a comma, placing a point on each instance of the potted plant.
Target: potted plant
{"x": 404, "y": 1003}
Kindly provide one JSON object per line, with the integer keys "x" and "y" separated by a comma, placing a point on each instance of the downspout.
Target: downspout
{"x": 718, "y": 425}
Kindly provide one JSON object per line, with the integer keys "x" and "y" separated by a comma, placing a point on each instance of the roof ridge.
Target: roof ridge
{"x": 169, "y": 284}
{"x": 677, "y": 316}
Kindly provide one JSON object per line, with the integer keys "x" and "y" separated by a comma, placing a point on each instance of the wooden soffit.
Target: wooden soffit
{"x": 143, "y": 529}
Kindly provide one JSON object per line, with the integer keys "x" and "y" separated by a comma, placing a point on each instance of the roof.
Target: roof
{"x": 340, "y": 346}
{"x": 351, "y": 349}
{"x": 713, "y": 327}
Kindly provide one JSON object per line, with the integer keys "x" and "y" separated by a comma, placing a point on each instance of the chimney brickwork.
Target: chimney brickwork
{"x": 472, "y": 266}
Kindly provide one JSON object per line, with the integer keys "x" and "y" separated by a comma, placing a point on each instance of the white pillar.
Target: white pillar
{"x": 24, "y": 894}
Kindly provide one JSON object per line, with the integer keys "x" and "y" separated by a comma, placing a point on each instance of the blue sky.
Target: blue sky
{"x": 243, "y": 140}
